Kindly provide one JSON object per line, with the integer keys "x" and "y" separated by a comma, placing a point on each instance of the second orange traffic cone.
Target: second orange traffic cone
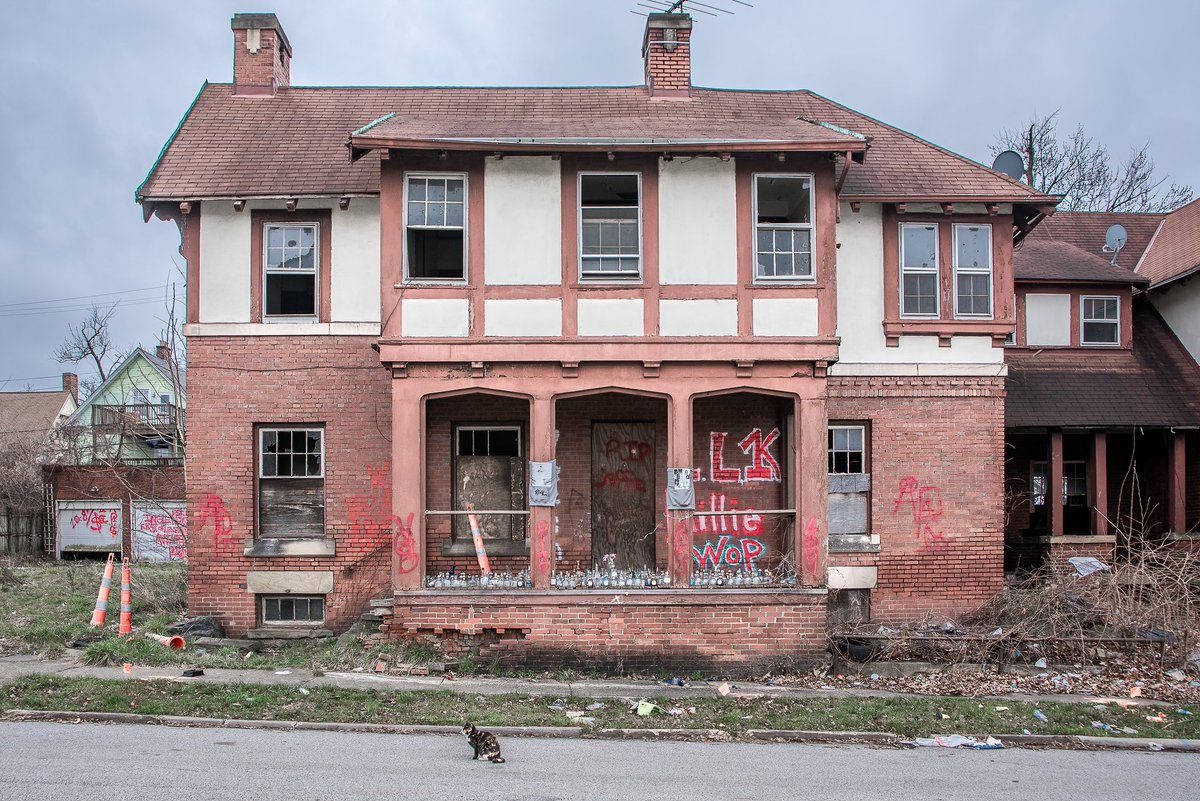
{"x": 125, "y": 625}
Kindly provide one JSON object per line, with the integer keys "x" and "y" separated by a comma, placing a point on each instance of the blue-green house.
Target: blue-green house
{"x": 137, "y": 415}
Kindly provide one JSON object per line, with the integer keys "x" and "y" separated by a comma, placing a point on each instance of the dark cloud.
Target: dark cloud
{"x": 90, "y": 92}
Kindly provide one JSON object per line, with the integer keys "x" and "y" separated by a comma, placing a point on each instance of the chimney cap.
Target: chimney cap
{"x": 261, "y": 22}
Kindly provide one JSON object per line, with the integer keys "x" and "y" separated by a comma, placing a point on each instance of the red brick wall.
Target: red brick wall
{"x": 937, "y": 465}
{"x": 669, "y": 71}
{"x": 235, "y": 383}
{"x": 261, "y": 68}
{"x": 682, "y": 630}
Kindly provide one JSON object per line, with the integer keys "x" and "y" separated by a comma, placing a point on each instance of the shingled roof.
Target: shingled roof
{"x": 31, "y": 414}
{"x": 1175, "y": 249}
{"x": 1085, "y": 230}
{"x": 295, "y": 142}
{"x": 1154, "y": 384}
{"x": 1049, "y": 260}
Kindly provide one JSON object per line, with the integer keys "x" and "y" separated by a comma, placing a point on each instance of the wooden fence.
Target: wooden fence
{"x": 22, "y": 533}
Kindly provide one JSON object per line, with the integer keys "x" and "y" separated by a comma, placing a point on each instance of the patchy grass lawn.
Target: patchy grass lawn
{"x": 908, "y": 717}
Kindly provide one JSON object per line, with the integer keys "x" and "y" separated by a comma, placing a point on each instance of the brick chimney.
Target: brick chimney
{"x": 163, "y": 351}
{"x": 667, "y": 51}
{"x": 71, "y": 384}
{"x": 262, "y": 55}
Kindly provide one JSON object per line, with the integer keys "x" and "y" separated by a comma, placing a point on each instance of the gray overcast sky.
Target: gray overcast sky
{"x": 91, "y": 91}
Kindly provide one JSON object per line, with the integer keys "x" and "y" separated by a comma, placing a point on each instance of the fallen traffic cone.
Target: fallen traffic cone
{"x": 174, "y": 642}
{"x": 125, "y": 625}
{"x": 101, "y": 610}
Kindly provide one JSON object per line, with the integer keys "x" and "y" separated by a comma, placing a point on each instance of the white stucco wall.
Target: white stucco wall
{"x": 1047, "y": 319}
{"x": 785, "y": 317}
{"x": 522, "y": 220}
{"x": 224, "y": 263}
{"x": 697, "y": 222}
{"x": 616, "y": 317}
{"x": 522, "y": 318}
{"x": 864, "y": 349}
{"x": 697, "y": 318}
{"x": 354, "y": 282}
{"x": 435, "y": 317}
{"x": 1180, "y": 307}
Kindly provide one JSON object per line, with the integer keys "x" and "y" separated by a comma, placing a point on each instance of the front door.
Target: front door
{"x": 623, "y": 494}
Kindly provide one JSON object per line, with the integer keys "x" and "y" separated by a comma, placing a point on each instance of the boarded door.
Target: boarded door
{"x": 623, "y": 494}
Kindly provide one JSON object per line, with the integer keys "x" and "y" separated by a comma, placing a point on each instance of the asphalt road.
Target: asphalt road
{"x": 61, "y": 762}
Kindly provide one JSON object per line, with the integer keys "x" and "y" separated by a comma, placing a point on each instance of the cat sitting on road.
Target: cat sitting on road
{"x": 484, "y": 742}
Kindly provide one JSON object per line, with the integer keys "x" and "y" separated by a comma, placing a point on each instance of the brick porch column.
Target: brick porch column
{"x": 1177, "y": 483}
{"x": 679, "y": 522}
{"x": 1054, "y": 493}
{"x": 1099, "y": 476}
{"x": 541, "y": 518}
{"x": 810, "y": 474}
{"x": 408, "y": 484}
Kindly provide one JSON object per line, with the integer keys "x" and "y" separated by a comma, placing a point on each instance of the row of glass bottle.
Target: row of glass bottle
{"x": 610, "y": 579}
{"x": 496, "y": 581}
{"x": 739, "y": 578}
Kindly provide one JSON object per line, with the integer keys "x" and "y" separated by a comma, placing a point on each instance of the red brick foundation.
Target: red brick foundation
{"x": 731, "y": 633}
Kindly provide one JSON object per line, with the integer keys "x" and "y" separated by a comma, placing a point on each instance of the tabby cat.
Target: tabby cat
{"x": 484, "y": 742}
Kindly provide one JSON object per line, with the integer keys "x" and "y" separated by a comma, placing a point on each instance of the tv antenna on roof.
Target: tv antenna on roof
{"x": 1114, "y": 239}
{"x": 1010, "y": 163}
{"x": 684, "y": 6}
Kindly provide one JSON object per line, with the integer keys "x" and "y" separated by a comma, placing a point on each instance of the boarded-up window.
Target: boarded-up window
{"x": 849, "y": 480}
{"x": 291, "y": 482}
{"x": 489, "y": 474}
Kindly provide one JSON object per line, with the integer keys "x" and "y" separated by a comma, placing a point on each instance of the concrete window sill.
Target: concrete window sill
{"x": 289, "y": 547}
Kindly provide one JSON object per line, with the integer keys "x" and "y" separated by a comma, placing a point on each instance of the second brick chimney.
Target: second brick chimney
{"x": 71, "y": 384}
{"x": 163, "y": 351}
{"x": 667, "y": 51}
{"x": 262, "y": 55}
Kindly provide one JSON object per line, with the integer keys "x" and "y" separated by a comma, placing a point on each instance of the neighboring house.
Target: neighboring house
{"x": 744, "y": 346}
{"x": 123, "y": 491}
{"x": 1103, "y": 405}
{"x": 1170, "y": 264}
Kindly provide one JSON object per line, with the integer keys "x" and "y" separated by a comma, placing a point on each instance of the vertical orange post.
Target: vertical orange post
{"x": 1177, "y": 483}
{"x": 812, "y": 499}
{"x": 125, "y": 623}
{"x": 408, "y": 483}
{"x": 101, "y": 610}
{"x": 541, "y": 518}
{"x": 679, "y": 522}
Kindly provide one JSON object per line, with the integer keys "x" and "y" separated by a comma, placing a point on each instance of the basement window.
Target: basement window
{"x": 435, "y": 227}
{"x": 293, "y": 610}
{"x": 610, "y": 237}
{"x": 1100, "y": 321}
{"x": 290, "y": 270}
{"x": 783, "y": 216}
{"x": 291, "y": 482}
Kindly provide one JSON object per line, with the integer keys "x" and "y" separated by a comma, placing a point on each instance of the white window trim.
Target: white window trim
{"x": 607, "y": 278}
{"x": 1083, "y": 343}
{"x": 851, "y": 427}
{"x": 1033, "y": 471}
{"x": 989, "y": 272}
{"x": 316, "y": 624}
{"x": 315, "y": 272}
{"x": 306, "y": 429}
{"x": 810, "y": 226}
{"x": 936, "y": 271}
{"x": 465, "y": 228}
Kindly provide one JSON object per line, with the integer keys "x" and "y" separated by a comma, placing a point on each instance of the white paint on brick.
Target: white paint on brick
{"x": 522, "y": 220}
{"x": 617, "y": 317}
{"x": 354, "y": 282}
{"x": 1047, "y": 319}
{"x": 853, "y": 578}
{"x": 522, "y": 318}
{"x": 707, "y": 317}
{"x": 435, "y": 317}
{"x": 697, "y": 222}
{"x": 785, "y": 317}
{"x": 860, "y": 309}
{"x": 299, "y": 582}
{"x": 1179, "y": 308}
{"x": 224, "y": 263}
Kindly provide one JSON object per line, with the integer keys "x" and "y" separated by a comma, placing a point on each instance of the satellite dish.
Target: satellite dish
{"x": 1115, "y": 238}
{"x": 1011, "y": 164}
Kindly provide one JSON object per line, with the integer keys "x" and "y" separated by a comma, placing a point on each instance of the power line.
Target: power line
{"x": 123, "y": 304}
{"x": 82, "y": 297}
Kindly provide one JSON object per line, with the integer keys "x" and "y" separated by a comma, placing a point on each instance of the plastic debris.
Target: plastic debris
{"x": 1102, "y": 726}
{"x": 1128, "y": 730}
{"x": 283, "y": 673}
{"x": 574, "y": 715}
{"x": 1041, "y": 663}
{"x": 1087, "y": 565}
{"x": 675, "y": 712}
{"x": 303, "y": 690}
{"x": 558, "y": 706}
{"x": 1155, "y": 747}
{"x": 595, "y": 706}
{"x": 957, "y": 741}
{"x": 645, "y": 708}
{"x": 874, "y": 677}
{"x": 1177, "y": 674}
{"x": 676, "y": 682}
{"x": 1161, "y": 717}
{"x": 1001, "y": 708}
{"x": 587, "y": 721}
{"x": 1040, "y": 715}
{"x": 1182, "y": 712}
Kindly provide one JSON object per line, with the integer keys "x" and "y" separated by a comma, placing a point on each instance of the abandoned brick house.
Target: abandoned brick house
{"x": 683, "y": 360}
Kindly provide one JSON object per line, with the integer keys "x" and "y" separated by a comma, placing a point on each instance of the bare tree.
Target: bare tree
{"x": 1081, "y": 169}
{"x": 89, "y": 340}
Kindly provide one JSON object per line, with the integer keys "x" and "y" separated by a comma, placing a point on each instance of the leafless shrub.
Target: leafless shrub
{"x": 160, "y": 589}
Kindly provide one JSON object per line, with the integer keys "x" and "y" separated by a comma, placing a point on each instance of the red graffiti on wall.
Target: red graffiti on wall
{"x": 405, "y": 544}
{"x": 757, "y": 445}
{"x": 97, "y": 520}
{"x": 683, "y": 543}
{"x": 544, "y": 544}
{"x": 924, "y": 503}
{"x": 811, "y": 547}
{"x": 371, "y": 515}
{"x": 738, "y": 521}
{"x": 621, "y": 479}
{"x": 629, "y": 450}
{"x": 212, "y": 509}
{"x": 379, "y": 476}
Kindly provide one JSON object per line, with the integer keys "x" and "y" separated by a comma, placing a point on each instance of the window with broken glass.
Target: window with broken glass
{"x": 292, "y": 610}
{"x": 783, "y": 219}
{"x": 290, "y": 266}
{"x": 973, "y": 271}
{"x": 291, "y": 482}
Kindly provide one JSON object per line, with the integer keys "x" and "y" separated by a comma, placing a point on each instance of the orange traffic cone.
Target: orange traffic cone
{"x": 125, "y": 626}
{"x": 174, "y": 642}
{"x": 102, "y": 597}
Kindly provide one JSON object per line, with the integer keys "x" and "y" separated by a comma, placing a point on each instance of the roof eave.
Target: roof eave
{"x": 360, "y": 145}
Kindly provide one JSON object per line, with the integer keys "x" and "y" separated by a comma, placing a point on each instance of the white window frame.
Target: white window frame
{"x": 1033, "y": 473}
{"x": 598, "y": 277}
{"x": 936, "y": 271}
{"x": 1083, "y": 320}
{"x": 315, "y": 272}
{"x": 810, "y": 226}
{"x": 863, "y": 451}
{"x": 262, "y": 606}
{"x": 465, "y": 228}
{"x": 307, "y": 430}
{"x": 989, "y": 272}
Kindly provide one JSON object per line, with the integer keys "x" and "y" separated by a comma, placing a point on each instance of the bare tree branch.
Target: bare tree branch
{"x": 90, "y": 339}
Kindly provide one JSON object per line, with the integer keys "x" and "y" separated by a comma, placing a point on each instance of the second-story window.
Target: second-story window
{"x": 783, "y": 233}
{"x": 290, "y": 270}
{"x": 435, "y": 227}
{"x": 973, "y": 271}
{"x": 1100, "y": 321}
{"x": 610, "y": 236}
{"x": 919, "y": 270}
